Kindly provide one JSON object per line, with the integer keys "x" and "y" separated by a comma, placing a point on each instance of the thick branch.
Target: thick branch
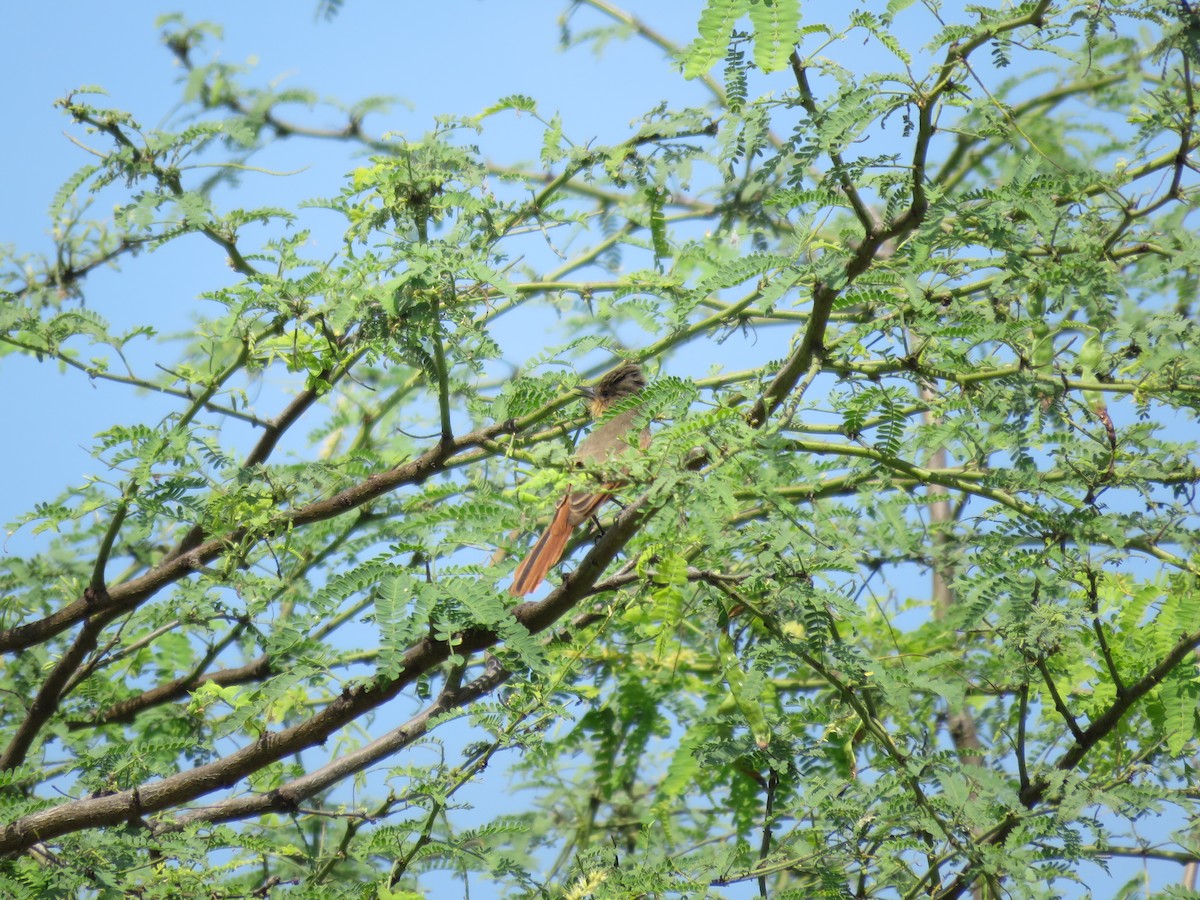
{"x": 131, "y": 594}
{"x": 1100, "y": 728}
{"x": 356, "y": 700}
{"x": 288, "y": 797}
{"x": 46, "y": 702}
{"x": 176, "y": 689}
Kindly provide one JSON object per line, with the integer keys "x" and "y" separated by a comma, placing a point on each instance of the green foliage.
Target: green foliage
{"x": 715, "y": 26}
{"x": 908, "y": 603}
{"x": 774, "y": 24}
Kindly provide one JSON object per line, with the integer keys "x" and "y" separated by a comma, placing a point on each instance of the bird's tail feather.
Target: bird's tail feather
{"x": 545, "y": 553}
{"x": 573, "y": 508}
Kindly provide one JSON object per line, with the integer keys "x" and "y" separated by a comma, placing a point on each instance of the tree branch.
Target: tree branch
{"x": 132, "y": 593}
{"x": 354, "y": 701}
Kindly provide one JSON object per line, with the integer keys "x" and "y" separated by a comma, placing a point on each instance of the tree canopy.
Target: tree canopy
{"x": 901, "y": 600}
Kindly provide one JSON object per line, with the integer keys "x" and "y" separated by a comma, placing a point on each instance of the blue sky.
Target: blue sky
{"x": 448, "y": 58}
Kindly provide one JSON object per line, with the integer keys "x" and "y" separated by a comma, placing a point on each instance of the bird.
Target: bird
{"x": 607, "y": 441}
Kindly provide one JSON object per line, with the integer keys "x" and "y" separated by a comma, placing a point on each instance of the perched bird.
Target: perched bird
{"x": 602, "y": 445}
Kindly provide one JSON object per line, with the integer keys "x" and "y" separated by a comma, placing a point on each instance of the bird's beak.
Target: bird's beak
{"x": 588, "y": 392}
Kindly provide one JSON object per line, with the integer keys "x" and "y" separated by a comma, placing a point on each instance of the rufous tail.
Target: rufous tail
{"x": 545, "y": 553}
{"x": 572, "y": 509}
